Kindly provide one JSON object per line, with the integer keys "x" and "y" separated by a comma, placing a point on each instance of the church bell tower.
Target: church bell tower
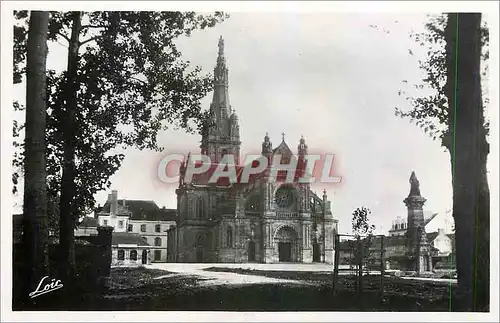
{"x": 221, "y": 134}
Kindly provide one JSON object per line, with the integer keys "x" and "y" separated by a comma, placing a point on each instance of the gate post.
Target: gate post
{"x": 382, "y": 266}
{"x": 336, "y": 262}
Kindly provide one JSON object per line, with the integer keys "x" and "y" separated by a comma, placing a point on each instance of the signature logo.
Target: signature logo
{"x": 47, "y": 288}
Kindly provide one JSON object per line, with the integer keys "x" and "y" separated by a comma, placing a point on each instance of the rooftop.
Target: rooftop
{"x": 141, "y": 210}
{"x": 88, "y": 222}
{"x": 204, "y": 178}
{"x": 128, "y": 238}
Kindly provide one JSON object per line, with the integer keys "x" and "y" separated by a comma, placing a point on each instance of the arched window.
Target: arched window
{"x": 229, "y": 237}
{"x": 158, "y": 241}
{"x": 121, "y": 254}
{"x": 133, "y": 254}
{"x": 199, "y": 208}
{"x": 200, "y": 240}
{"x": 158, "y": 228}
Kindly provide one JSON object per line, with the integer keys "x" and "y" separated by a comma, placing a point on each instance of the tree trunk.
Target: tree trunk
{"x": 35, "y": 231}
{"x": 469, "y": 151}
{"x": 66, "y": 208}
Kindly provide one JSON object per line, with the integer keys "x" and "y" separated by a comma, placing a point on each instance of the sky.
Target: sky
{"x": 330, "y": 77}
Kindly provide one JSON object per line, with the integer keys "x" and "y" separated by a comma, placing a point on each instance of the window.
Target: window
{"x": 199, "y": 208}
{"x": 120, "y": 224}
{"x": 143, "y": 228}
{"x": 157, "y": 241}
{"x": 133, "y": 254}
{"x": 157, "y": 255}
{"x": 229, "y": 237}
{"x": 158, "y": 228}
{"x": 121, "y": 254}
{"x": 130, "y": 228}
{"x": 284, "y": 196}
{"x": 105, "y": 222}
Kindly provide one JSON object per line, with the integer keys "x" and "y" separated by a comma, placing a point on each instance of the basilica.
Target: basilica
{"x": 262, "y": 220}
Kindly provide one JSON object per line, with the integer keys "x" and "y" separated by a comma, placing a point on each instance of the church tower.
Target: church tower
{"x": 417, "y": 245}
{"x": 221, "y": 135}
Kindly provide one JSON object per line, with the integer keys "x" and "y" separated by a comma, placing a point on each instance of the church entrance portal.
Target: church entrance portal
{"x": 199, "y": 254}
{"x": 251, "y": 251}
{"x": 286, "y": 244}
{"x": 316, "y": 253}
{"x": 199, "y": 248}
{"x": 285, "y": 251}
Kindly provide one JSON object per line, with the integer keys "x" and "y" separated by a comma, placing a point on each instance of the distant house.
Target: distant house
{"x": 394, "y": 246}
{"x": 87, "y": 227}
{"x": 138, "y": 218}
{"x": 442, "y": 242}
{"x": 129, "y": 249}
{"x": 400, "y": 225}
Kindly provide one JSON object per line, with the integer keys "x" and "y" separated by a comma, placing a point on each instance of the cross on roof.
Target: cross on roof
{"x": 283, "y": 136}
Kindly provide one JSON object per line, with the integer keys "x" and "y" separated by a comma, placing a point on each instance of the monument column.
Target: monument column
{"x": 418, "y": 248}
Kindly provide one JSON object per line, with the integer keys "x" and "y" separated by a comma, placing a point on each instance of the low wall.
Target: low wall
{"x": 92, "y": 260}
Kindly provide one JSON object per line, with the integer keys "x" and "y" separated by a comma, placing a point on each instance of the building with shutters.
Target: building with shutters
{"x": 138, "y": 225}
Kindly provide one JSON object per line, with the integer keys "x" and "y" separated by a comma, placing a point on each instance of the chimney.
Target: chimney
{"x": 113, "y": 203}
{"x": 123, "y": 203}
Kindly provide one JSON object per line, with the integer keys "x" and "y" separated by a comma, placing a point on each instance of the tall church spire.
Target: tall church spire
{"x": 221, "y": 58}
{"x": 223, "y": 135}
{"x": 220, "y": 99}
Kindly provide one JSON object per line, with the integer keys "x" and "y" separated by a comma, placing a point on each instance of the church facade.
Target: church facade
{"x": 264, "y": 220}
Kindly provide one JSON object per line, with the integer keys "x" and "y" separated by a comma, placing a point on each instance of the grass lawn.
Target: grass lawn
{"x": 136, "y": 289}
{"x": 399, "y": 294}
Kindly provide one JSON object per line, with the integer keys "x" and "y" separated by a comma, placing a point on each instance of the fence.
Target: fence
{"x": 358, "y": 262}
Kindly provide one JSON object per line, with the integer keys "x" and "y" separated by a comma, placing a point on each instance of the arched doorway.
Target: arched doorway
{"x": 251, "y": 251}
{"x": 285, "y": 240}
{"x": 144, "y": 257}
{"x": 316, "y": 252}
{"x": 199, "y": 248}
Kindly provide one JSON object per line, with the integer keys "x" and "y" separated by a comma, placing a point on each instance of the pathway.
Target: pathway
{"x": 228, "y": 278}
